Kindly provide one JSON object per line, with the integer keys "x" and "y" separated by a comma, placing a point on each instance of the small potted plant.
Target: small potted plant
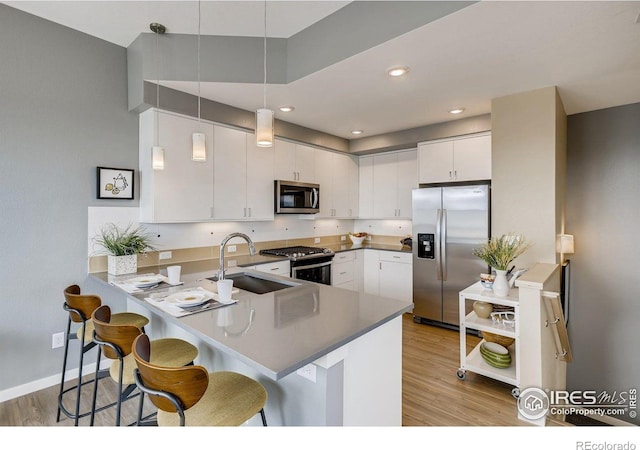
{"x": 123, "y": 245}
{"x": 498, "y": 253}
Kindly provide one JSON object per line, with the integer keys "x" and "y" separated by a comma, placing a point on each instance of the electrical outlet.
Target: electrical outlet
{"x": 231, "y": 249}
{"x": 231, "y": 263}
{"x": 316, "y": 240}
{"x": 343, "y": 238}
{"x": 57, "y": 340}
{"x": 165, "y": 255}
{"x": 308, "y": 372}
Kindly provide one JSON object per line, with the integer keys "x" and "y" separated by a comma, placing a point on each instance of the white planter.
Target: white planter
{"x": 120, "y": 265}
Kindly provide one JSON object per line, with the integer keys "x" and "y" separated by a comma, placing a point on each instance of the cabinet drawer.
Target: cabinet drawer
{"x": 278, "y": 268}
{"x": 399, "y": 257}
{"x": 343, "y": 257}
{"x": 342, "y": 273}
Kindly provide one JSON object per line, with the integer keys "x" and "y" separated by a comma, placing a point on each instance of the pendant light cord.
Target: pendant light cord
{"x": 157, "y": 92}
{"x": 199, "y": 61}
{"x": 265, "y": 57}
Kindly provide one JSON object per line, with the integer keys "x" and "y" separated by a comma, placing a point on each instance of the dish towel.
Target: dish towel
{"x": 157, "y": 300}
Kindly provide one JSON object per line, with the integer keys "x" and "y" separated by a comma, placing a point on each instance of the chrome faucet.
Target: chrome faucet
{"x": 223, "y": 244}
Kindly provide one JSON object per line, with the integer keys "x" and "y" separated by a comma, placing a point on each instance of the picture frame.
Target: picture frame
{"x": 115, "y": 184}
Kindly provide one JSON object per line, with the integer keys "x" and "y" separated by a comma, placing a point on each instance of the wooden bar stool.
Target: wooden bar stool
{"x": 192, "y": 395}
{"x": 116, "y": 341}
{"x": 80, "y": 307}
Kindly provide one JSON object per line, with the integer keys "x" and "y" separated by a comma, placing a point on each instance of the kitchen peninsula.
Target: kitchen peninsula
{"x": 327, "y": 356}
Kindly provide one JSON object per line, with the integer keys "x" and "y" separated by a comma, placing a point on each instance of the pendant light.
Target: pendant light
{"x": 264, "y": 116}
{"x": 199, "y": 145}
{"x": 157, "y": 157}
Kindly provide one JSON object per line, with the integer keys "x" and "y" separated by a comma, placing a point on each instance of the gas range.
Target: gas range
{"x": 299, "y": 252}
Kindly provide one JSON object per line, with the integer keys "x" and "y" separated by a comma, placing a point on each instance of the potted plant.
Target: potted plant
{"x": 123, "y": 245}
{"x": 498, "y": 253}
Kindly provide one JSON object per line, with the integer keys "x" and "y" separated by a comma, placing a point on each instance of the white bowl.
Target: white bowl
{"x": 357, "y": 240}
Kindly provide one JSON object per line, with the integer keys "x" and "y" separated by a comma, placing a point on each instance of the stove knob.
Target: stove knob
{"x": 295, "y": 255}
{"x": 301, "y": 254}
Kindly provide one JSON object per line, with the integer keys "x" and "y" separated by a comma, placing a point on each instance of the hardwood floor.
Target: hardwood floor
{"x": 432, "y": 394}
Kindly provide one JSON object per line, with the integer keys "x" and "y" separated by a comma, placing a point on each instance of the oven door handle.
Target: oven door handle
{"x": 312, "y": 266}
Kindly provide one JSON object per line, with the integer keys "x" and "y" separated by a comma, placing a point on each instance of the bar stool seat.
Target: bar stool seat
{"x": 116, "y": 341}
{"x": 192, "y": 395}
{"x": 79, "y": 308}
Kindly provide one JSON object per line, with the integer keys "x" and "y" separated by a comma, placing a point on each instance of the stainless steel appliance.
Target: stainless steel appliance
{"x": 294, "y": 197}
{"x": 307, "y": 263}
{"x": 448, "y": 223}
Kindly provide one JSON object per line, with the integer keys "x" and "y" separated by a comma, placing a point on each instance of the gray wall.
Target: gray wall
{"x": 603, "y": 212}
{"x": 63, "y": 111}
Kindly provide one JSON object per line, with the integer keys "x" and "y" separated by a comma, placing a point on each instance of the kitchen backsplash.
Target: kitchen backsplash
{"x": 197, "y": 241}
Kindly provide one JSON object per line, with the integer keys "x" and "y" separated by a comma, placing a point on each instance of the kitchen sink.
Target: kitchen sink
{"x": 254, "y": 283}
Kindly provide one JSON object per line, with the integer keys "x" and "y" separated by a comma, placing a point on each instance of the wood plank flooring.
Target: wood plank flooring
{"x": 432, "y": 394}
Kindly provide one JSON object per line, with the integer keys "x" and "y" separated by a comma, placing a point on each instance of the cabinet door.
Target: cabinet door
{"x": 183, "y": 191}
{"x": 371, "y": 272}
{"x": 285, "y": 160}
{"x": 353, "y": 177}
{"x": 472, "y": 158}
{"x": 435, "y": 162}
{"x": 260, "y": 160}
{"x": 341, "y": 182}
{"x": 323, "y": 164}
{"x": 229, "y": 173}
{"x": 305, "y": 166}
{"x": 407, "y": 181}
{"x": 365, "y": 187}
{"x": 396, "y": 280}
{"x": 385, "y": 186}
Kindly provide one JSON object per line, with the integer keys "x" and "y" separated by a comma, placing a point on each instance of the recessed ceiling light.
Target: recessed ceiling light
{"x": 456, "y": 111}
{"x": 286, "y": 108}
{"x": 356, "y": 132}
{"x": 398, "y": 71}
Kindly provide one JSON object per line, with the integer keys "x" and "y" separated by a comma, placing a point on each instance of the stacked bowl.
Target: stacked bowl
{"x": 495, "y": 355}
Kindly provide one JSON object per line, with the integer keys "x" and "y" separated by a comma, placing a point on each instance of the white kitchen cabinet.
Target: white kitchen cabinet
{"x": 183, "y": 191}
{"x": 388, "y": 274}
{"x": 282, "y": 268}
{"x": 464, "y": 159}
{"x": 294, "y": 162}
{"x": 343, "y": 271}
{"x": 386, "y": 182}
{"x": 396, "y": 275}
{"x": 337, "y": 175}
{"x": 242, "y": 176}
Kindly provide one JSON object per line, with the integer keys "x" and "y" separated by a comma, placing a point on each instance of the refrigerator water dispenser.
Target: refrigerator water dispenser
{"x": 425, "y": 245}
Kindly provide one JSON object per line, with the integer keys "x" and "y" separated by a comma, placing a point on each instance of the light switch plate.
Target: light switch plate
{"x": 231, "y": 249}
{"x": 316, "y": 240}
{"x": 343, "y": 238}
{"x": 165, "y": 255}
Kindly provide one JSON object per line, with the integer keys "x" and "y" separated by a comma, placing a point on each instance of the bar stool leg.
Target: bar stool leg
{"x": 64, "y": 369}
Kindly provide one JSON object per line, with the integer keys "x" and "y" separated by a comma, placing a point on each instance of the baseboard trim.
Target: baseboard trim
{"x": 44, "y": 383}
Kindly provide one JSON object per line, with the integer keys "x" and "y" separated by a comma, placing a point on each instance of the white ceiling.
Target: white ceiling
{"x": 590, "y": 50}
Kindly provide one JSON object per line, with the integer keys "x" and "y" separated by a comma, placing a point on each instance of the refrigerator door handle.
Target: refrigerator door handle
{"x": 443, "y": 245}
{"x": 438, "y": 243}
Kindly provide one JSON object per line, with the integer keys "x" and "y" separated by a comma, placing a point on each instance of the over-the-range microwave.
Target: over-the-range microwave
{"x": 294, "y": 197}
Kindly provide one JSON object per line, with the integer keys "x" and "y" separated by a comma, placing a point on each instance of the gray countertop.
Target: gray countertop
{"x": 278, "y": 332}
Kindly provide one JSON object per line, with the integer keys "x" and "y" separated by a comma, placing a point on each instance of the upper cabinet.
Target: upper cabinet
{"x": 386, "y": 182}
{"x": 337, "y": 175}
{"x": 464, "y": 159}
{"x": 183, "y": 191}
{"x": 242, "y": 176}
{"x": 294, "y": 162}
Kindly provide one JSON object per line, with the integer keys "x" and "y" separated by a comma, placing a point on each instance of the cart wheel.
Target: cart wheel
{"x": 515, "y": 392}
{"x": 461, "y": 374}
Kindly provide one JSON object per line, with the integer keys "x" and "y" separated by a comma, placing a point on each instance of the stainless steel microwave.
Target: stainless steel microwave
{"x": 294, "y": 197}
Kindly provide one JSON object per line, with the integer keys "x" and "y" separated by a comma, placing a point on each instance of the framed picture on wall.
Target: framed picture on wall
{"x": 116, "y": 184}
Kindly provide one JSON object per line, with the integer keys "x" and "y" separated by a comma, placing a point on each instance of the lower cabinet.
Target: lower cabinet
{"x": 282, "y": 268}
{"x": 343, "y": 270}
{"x": 388, "y": 274}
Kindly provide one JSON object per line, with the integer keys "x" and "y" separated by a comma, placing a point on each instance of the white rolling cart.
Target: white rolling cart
{"x": 472, "y": 361}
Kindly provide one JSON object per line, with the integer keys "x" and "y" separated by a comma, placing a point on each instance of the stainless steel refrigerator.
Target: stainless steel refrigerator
{"x": 448, "y": 223}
